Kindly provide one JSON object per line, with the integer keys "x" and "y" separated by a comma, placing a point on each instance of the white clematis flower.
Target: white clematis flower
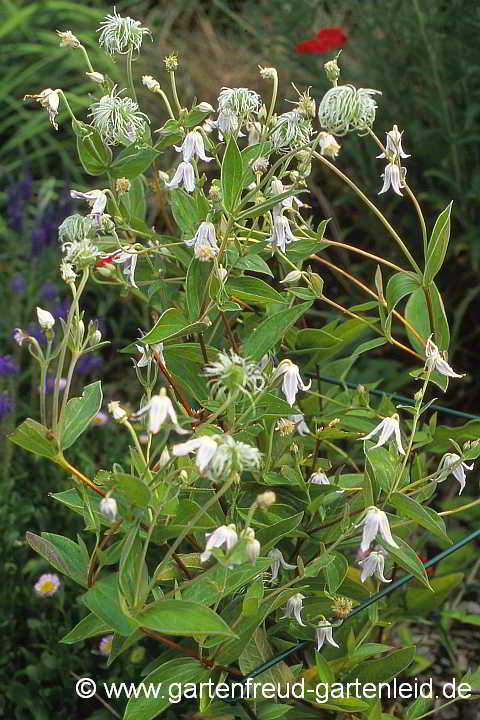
{"x": 294, "y": 607}
{"x": 374, "y": 522}
{"x": 291, "y": 380}
{"x": 374, "y": 564}
{"x": 300, "y": 424}
{"x": 204, "y": 447}
{"x": 97, "y": 200}
{"x": 281, "y": 233}
{"x": 160, "y": 409}
{"x": 108, "y": 507}
{"x": 49, "y": 99}
{"x": 185, "y": 175}
{"x": 394, "y": 177}
{"x": 278, "y": 561}
{"x": 436, "y": 362}
{"x": 223, "y": 535}
{"x": 127, "y": 257}
{"x": 445, "y": 469}
{"x": 204, "y": 242}
{"x": 389, "y": 426}
{"x": 319, "y": 478}
{"x": 192, "y": 146}
{"x": 394, "y": 145}
{"x": 324, "y": 632}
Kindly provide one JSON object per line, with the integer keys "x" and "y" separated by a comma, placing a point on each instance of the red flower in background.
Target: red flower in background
{"x": 324, "y": 41}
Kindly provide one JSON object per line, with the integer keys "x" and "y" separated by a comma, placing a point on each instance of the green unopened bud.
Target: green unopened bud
{"x": 266, "y": 499}
{"x": 171, "y": 62}
{"x": 292, "y": 277}
{"x": 137, "y": 655}
{"x": 96, "y": 77}
{"x": 332, "y": 71}
{"x": 94, "y": 334}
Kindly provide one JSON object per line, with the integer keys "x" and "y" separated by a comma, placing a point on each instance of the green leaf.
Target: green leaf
{"x": 35, "y": 438}
{"x": 416, "y": 312}
{"x": 183, "y": 617}
{"x": 399, "y": 286}
{"x": 61, "y": 552}
{"x": 133, "y": 488}
{"x": 104, "y": 601}
{"x": 272, "y": 330}
{"x": 94, "y": 155}
{"x": 231, "y": 177}
{"x": 408, "y": 560}
{"x": 133, "y": 161}
{"x": 384, "y": 470}
{"x": 253, "y": 263}
{"x": 336, "y": 571}
{"x": 424, "y": 516}
{"x": 420, "y": 601}
{"x": 438, "y": 244}
{"x": 197, "y": 279}
{"x": 172, "y": 674}
{"x": 186, "y": 211}
{"x": 419, "y": 707}
{"x": 80, "y": 412}
{"x": 383, "y": 669}
{"x": 253, "y": 290}
{"x": 171, "y": 324}
{"x": 263, "y": 207}
{"x": 90, "y": 626}
{"x": 269, "y": 536}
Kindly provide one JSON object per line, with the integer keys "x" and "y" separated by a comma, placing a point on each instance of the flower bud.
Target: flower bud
{"x": 164, "y": 458}
{"x": 332, "y": 71}
{"x": 151, "y": 83}
{"x": 205, "y": 107}
{"x": 315, "y": 282}
{"x": 45, "y": 319}
{"x": 67, "y": 272}
{"x": 268, "y": 73}
{"x": 68, "y": 39}
{"x": 171, "y": 62}
{"x": 119, "y": 414}
{"x": 108, "y": 506}
{"x": 122, "y": 185}
{"x": 94, "y": 334}
{"x": 264, "y": 500}
{"x": 292, "y": 277}
{"x": 96, "y": 77}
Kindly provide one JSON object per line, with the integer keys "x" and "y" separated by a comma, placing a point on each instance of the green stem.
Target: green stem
{"x": 143, "y": 559}
{"x": 131, "y": 86}
{"x": 373, "y": 208}
{"x": 174, "y": 91}
{"x": 66, "y": 392}
{"x": 165, "y": 99}
{"x": 421, "y": 218}
{"x": 85, "y": 54}
{"x": 61, "y": 361}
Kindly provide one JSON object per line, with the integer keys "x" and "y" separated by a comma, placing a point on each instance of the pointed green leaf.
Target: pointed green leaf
{"x": 424, "y": 516}
{"x": 61, "y": 552}
{"x": 90, "y": 626}
{"x": 399, "y": 286}
{"x": 272, "y": 330}
{"x": 104, "y": 601}
{"x": 183, "y": 617}
{"x": 80, "y": 412}
{"x": 232, "y": 173}
{"x": 171, "y": 324}
{"x": 35, "y": 438}
{"x": 438, "y": 244}
{"x": 253, "y": 290}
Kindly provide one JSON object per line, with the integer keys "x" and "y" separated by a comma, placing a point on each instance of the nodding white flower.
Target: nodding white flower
{"x": 374, "y": 564}
{"x": 254, "y": 133}
{"x": 151, "y": 83}
{"x": 294, "y": 607}
{"x": 205, "y": 448}
{"x": 67, "y": 272}
{"x": 328, "y": 145}
{"x": 319, "y": 478}
{"x": 253, "y": 546}
{"x": 108, "y": 507}
{"x": 226, "y": 123}
{"x": 324, "y": 632}
{"x": 389, "y": 426}
{"x": 281, "y": 233}
{"x": 49, "y": 99}
{"x": 97, "y": 200}
{"x": 301, "y": 425}
{"x": 278, "y": 561}
{"x": 119, "y": 414}
{"x": 127, "y": 257}
{"x": 45, "y": 319}
{"x": 277, "y": 187}
{"x": 20, "y": 336}
{"x": 345, "y": 109}
{"x": 394, "y": 148}
{"x": 147, "y": 352}
{"x": 164, "y": 458}
{"x": 204, "y": 242}
{"x": 451, "y": 464}
{"x": 223, "y": 535}
{"x": 291, "y": 130}
{"x": 241, "y": 100}
{"x": 436, "y": 362}
{"x": 374, "y": 522}
{"x": 119, "y": 34}
{"x": 192, "y": 146}
{"x": 118, "y": 118}
{"x": 160, "y": 409}
{"x": 68, "y": 39}
{"x": 230, "y": 372}
{"x": 291, "y": 380}
{"x": 394, "y": 177}
{"x": 268, "y": 73}
{"x": 183, "y": 174}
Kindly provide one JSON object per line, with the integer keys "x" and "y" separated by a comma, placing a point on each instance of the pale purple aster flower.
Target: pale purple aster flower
{"x": 387, "y": 427}
{"x": 278, "y": 561}
{"x": 291, "y": 380}
{"x": 101, "y": 418}
{"x": 281, "y": 233}
{"x": 374, "y": 564}
{"x": 223, "y": 535}
{"x": 393, "y": 177}
{"x": 185, "y": 175}
{"x": 324, "y": 632}
{"x": 451, "y": 464}
{"x": 6, "y": 405}
{"x": 8, "y": 366}
{"x": 47, "y": 585}
{"x": 105, "y": 646}
{"x": 192, "y": 146}
{"x": 294, "y": 607}
{"x": 374, "y": 522}
{"x": 435, "y": 361}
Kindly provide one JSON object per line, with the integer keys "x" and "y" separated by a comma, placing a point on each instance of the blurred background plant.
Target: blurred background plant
{"x": 422, "y": 54}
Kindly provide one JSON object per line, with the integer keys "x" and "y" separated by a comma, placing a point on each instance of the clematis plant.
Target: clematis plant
{"x": 232, "y": 544}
